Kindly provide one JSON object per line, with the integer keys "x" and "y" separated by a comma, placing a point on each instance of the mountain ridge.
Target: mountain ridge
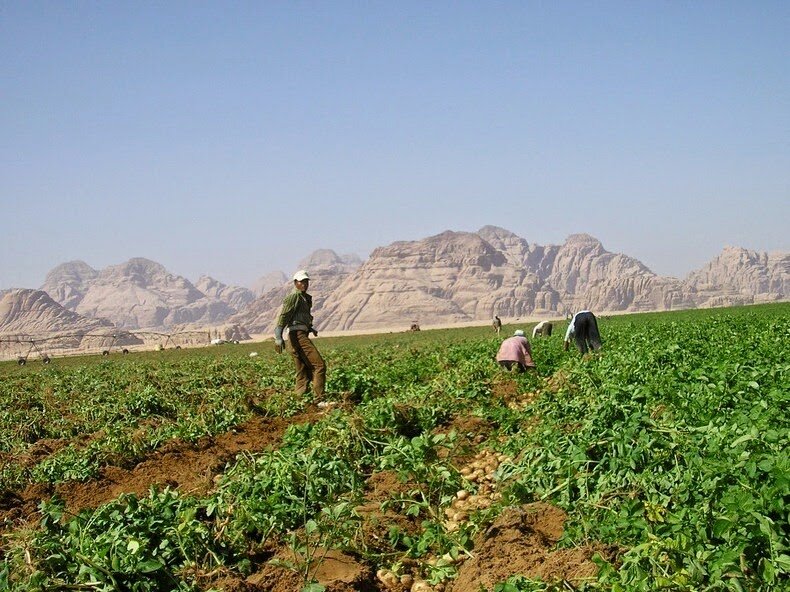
{"x": 455, "y": 277}
{"x": 449, "y": 277}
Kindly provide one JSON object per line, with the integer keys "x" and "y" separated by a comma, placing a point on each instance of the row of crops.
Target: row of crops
{"x": 670, "y": 446}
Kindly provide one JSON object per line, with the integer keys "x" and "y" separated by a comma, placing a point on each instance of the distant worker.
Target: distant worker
{"x": 542, "y": 328}
{"x": 497, "y": 324}
{"x": 515, "y": 352}
{"x": 584, "y": 330}
{"x": 295, "y": 314}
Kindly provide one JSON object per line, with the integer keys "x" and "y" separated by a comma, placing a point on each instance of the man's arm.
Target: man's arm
{"x": 569, "y": 332}
{"x": 286, "y": 313}
{"x": 288, "y": 309}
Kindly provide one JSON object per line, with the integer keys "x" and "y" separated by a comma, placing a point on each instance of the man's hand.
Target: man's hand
{"x": 313, "y": 331}
{"x": 279, "y": 344}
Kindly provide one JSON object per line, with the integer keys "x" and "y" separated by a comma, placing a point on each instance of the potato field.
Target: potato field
{"x": 659, "y": 463}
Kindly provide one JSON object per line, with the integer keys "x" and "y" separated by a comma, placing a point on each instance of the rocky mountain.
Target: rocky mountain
{"x": 459, "y": 276}
{"x": 271, "y": 280}
{"x": 33, "y": 312}
{"x": 585, "y": 275}
{"x": 31, "y": 321}
{"x": 68, "y": 282}
{"x": 142, "y": 294}
{"x": 740, "y": 276}
{"x": 235, "y": 297}
{"x": 451, "y": 277}
{"x": 327, "y": 271}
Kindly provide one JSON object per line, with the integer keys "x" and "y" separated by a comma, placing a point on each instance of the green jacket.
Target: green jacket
{"x": 296, "y": 310}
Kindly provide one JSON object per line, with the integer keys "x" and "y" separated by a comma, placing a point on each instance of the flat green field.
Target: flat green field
{"x": 659, "y": 463}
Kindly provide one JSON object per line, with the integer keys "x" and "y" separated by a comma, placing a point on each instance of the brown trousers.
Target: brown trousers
{"x": 310, "y": 366}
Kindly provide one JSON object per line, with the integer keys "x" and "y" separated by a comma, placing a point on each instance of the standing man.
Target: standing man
{"x": 584, "y": 329}
{"x": 515, "y": 352}
{"x": 497, "y": 324}
{"x": 295, "y": 314}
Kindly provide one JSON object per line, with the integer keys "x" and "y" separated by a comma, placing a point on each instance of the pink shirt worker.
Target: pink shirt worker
{"x": 515, "y": 352}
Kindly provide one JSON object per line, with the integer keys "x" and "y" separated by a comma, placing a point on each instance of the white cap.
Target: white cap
{"x": 519, "y": 333}
{"x": 301, "y": 275}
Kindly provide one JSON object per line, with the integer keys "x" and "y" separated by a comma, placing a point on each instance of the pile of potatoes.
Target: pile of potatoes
{"x": 480, "y": 474}
{"x": 392, "y": 581}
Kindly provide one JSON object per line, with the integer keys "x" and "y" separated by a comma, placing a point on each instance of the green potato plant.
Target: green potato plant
{"x": 670, "y": 445}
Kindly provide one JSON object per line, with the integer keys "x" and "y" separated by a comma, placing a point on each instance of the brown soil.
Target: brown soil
{"x": 378, "y": 519}
{"x": 522, "y": 542}
{"x": 337, "y": 572}
{"x": 470, "y": 432}
{"x": 508, "y": 391}
{"x": 505, "y": 388}
{"x": 191, "y": 468}
{"x": 41, "y": 450}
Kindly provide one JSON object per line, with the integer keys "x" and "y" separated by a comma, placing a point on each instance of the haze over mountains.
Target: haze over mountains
{"x": 448, "y": 278}
{"x": 142, "y": 294}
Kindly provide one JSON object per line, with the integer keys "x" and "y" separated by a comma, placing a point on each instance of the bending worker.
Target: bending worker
{"x": 584, "y": 329}
{"x": 515, "y": 352}
{"x": 542, "y": 328}
{"x": 295, "y": 314}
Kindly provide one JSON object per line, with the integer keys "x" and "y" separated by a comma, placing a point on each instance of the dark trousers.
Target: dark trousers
{"x": 586, "y": 332}
{"x": 310, "y": 366}
{"x": 509, "y": 365}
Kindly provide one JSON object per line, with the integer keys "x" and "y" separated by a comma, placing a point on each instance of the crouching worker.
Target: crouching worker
{"x": 515, "y": 352}
{"x": 295, "y": 314}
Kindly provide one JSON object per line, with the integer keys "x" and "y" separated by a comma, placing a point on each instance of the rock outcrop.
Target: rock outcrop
{"x": 34, "y": 313}
{"x": 451, "y": 277}
{"x": 271, "y": 280}
{"x": 446, "y": 278}
{"x": 327, "y": 271}
{"x": 740, "y": 276}
{"x": 458, "y": 277}
{"x": 68, "y": 282}
{"x": 585, "y": 275}
{"x": 142, "y": 294}
{"x": 235, "y": 297}
{"x": 32, "y": 323}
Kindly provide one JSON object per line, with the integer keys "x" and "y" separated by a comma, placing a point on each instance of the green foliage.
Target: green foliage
{"x": 125, "y": 410}
{"x": 670, "y": 444}
{"x": 279, "y": 491}
{"x": 130, "y": 544}
{"x": 522, "y": 584}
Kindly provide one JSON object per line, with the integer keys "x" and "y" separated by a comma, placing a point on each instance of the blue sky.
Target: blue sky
{"x": 233, "y": 139}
